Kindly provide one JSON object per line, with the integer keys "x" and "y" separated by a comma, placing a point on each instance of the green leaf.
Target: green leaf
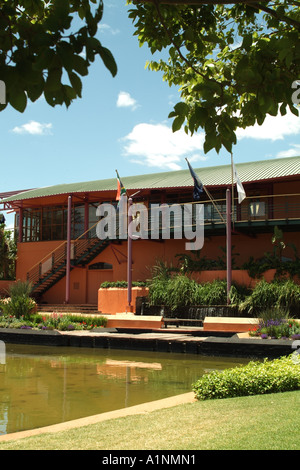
{"x": 210, "y": 142}
{"x": 177, "y": 123}
{"x": 80, "y": 65}
{"x": 18, "y": 99}
{"x": 247, "y": 42}
{"x": 108, "y": 60}
{"x": 35, "y": 90}
{"x": 65, "y": 52}
{"x": 201, "y": 115}
{"x": 76, "y": 83}
{"x": 53, "y": 81}
{"x": 181, "y": 109}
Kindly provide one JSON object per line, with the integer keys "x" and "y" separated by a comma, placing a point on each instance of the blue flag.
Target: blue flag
{"x": 198, "y": 186}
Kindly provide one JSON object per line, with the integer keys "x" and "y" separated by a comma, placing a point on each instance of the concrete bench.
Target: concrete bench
{"x": 178, "y": 321}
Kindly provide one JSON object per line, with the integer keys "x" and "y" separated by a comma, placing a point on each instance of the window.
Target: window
{"x": 101, "y": 265}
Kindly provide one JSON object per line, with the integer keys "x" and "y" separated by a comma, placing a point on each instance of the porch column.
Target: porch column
{"x": 129, "y": 258}
{"x": 20, "y": 235}
{"x": 228, "y": 241}
{"x": 86, "y": 218}
{"x": 68, "y": 254}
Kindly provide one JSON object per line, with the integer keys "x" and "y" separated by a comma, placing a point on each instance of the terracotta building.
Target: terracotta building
{"x": 46, "y": 219}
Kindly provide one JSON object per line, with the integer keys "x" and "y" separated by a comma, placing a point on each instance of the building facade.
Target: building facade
{"x": 54, "y": 221}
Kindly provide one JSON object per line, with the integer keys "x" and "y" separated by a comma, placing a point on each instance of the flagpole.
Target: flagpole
{"x": 129, "y": 258}
{"x": 228, "y": 243}
{"x": 209, "y": 196}
{"x": 121, "y": 193}
{"x": 232, "y": 189}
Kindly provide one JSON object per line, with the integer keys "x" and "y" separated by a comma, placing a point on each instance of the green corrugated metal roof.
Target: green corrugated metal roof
{"x": 210, "y": 176}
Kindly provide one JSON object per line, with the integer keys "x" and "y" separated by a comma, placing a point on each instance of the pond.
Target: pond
{"x": 41, "y": 385}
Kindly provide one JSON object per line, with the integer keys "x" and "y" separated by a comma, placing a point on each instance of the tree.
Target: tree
{"x": 8, "y": 252}
{"x": 235, "y": 64}
{"x": 42, "y": 43}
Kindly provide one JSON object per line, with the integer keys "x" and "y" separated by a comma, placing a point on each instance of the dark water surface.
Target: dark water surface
{"x": 41, "y": 385}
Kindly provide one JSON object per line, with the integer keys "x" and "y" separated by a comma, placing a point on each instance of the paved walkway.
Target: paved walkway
{"x": 132, "y": 410}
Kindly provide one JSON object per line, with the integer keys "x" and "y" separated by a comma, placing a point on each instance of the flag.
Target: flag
{"x": 198, "y": 186}
{"x": 121, "y": 191}
{"x": 239, "y": 186}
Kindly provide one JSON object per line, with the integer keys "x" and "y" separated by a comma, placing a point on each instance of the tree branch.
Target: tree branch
{"x": 274, "y": 13}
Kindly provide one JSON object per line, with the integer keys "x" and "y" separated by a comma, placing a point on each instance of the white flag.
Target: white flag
{"x": 239, "y": 186}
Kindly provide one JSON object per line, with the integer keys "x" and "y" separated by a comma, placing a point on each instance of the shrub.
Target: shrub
{"x": 212, "y": 293}
{"x": 122, "y": 284}
{"x": 18, "y": 306}
{"x": 54, "y": 321}
{"x": 180, "y": 290}
{"x": 20, "y": 288}
{"x": 19, "y": 303}
{"x": 69, "y": 322}
{"x": 276, "y": 294}
{"x": 277, "y": 327}
{"x": 278, "y": 375}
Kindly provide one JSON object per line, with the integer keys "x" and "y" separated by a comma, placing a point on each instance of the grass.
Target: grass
{"x": 260, "y": 422}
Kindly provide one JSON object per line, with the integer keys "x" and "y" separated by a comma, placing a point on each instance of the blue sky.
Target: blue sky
{"x": 120, "y": 123}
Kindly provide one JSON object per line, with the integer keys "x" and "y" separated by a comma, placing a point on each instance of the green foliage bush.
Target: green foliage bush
{"x": 284, "y": 294}
{"x": 122, "y": 284}
{"x": 20, "y": 306}
{"x": 255, "y": 378}
{"x": 181, "y": 291}
{"x": 19, "y": 303}
{"x": 62, "y": 322}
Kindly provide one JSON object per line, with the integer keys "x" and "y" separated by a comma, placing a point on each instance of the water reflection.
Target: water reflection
{"x": 41, "y": 385}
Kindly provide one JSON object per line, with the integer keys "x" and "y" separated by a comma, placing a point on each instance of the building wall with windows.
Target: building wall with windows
{"x": 273, "y": 199}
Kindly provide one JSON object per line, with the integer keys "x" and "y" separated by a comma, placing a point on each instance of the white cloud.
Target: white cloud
{"x": 33, "y": 128}
{"x": 103, "y": 28}
{"x": 126, "y": 101}
{"x": 155, "y": 145}
{"x": 273, "y": 128}
{"x": 292, "y": 152}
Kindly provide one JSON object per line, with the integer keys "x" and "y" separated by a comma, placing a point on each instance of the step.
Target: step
{"x": 68, "y": 308}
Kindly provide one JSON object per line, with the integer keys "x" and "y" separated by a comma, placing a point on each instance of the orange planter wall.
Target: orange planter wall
{"x": 114, "y": 300}
{"x": 239, "y": 276}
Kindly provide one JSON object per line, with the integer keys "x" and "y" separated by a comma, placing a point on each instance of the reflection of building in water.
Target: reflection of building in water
{"x": 2, "y": 353}
{"x": 129, "y": 370}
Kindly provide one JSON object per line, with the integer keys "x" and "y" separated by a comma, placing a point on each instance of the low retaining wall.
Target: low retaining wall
{"x": 210, "y": 346}
{"x": 113, "y": 300}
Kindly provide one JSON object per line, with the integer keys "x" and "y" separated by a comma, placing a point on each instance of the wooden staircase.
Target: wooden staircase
{"x": 53, "y": 267}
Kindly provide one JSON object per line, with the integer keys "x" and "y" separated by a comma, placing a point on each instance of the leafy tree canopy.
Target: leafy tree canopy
{"x": 42, "y": 43}
{"x": 234, "y": 63}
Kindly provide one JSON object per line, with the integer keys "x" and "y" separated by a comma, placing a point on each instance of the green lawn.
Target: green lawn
{"x": 261, "y": 422}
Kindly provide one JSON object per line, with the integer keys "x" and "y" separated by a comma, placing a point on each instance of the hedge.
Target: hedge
{"x": 255, "y": 378}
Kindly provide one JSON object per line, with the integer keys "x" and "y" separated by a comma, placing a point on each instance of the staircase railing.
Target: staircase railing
{"x": 56, "y": 259}
{"x": 48, "y": 263}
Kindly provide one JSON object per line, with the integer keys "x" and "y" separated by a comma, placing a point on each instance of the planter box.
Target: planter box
{"x": 240, "y": 276}
{"x": 233, "y": 325}
{"x": 113, "y": 300}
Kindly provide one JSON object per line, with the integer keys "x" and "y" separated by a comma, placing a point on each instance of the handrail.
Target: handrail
{"x": 59, "y": 246}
